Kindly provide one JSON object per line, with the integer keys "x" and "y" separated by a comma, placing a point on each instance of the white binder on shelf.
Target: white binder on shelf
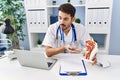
{"x": 35, "y": 19}
{"x": 30, "y": 18}
{"x": 106, "y": 17}
{"x": 89, "y": 18}
{"x": 43, "y": 21}
{"x": 37, "y": 3}
{"x": 94, "y": 16}
{"x": 38, "y": 19}
{"x": 100, "y": 18}
{"x": 31, "y": 3}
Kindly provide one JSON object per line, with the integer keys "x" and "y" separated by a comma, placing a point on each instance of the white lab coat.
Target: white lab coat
{"x": 50, "y": 37}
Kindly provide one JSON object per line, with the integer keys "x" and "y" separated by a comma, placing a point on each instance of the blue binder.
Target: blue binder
{"x": 84, "y": 73}
{"x": 53, "y": 19}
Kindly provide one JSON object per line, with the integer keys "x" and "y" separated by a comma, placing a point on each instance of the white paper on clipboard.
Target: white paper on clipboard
{"x": 72, "y": 64}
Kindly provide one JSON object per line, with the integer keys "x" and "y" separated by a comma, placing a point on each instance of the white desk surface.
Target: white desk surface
{"x": 12, "y": 70}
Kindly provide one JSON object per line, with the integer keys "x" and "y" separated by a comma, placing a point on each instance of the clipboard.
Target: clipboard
{"x": 74, "y": 73}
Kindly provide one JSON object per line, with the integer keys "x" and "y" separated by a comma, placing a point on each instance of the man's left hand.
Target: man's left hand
{"x": 94, "y": 60}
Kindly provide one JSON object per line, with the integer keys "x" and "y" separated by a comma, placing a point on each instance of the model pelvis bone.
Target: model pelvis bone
{"x": 90, "y": 49}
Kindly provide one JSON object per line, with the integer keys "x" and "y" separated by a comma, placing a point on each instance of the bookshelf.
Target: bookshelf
{"x": 98, "y": 22}
{"x": 96, "y": 16}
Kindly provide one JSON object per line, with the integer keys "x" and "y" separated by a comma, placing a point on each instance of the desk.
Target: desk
{"x": 12, "y": 70}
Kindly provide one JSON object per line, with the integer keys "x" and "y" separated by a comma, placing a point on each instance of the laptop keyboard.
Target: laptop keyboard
{"x": 49, "y": 64}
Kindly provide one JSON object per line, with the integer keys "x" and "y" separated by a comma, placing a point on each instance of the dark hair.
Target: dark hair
{"x": 67, "y": 8}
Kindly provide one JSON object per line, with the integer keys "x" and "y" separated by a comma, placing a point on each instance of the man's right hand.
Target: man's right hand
{"x": 72, "y": 49}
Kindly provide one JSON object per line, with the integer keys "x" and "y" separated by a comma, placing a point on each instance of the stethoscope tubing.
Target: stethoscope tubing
{"x": 74, "y": 37}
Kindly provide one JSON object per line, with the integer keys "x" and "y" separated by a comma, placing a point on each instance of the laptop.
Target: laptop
{"x": 34, "y": 59}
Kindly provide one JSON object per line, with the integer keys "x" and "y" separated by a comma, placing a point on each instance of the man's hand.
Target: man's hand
{"x": 72, "y": 49}
{"x": 94, "y": 60}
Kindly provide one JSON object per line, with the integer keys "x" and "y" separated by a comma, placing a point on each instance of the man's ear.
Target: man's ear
{"x": 73, "y": 19}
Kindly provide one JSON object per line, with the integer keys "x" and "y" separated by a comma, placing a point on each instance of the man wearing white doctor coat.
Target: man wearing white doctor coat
{"x": 65, "y": 36}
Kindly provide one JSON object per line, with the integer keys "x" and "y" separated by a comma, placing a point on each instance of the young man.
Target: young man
{"x": 65, "y": 36}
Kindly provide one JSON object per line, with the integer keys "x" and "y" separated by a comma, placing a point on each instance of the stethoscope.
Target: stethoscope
{"x": 74, "y": 38}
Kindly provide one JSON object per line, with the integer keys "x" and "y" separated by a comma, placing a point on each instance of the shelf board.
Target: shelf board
{"x": 37, "y": 30}
{"x": 98, "y": 30}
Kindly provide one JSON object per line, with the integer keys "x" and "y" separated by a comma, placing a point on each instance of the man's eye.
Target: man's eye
{"x": 66, "y": 19}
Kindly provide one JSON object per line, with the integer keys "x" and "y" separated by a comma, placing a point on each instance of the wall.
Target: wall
{"x": 25, "y": 43}
{"x": 115, "y": 29}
